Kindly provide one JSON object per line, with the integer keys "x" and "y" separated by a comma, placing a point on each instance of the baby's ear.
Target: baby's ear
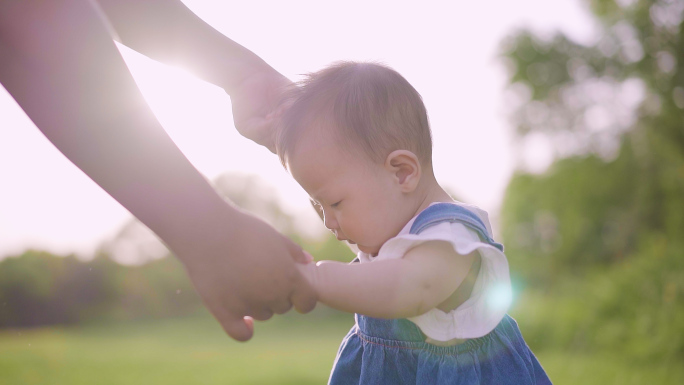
{"x": 405, "y": 167}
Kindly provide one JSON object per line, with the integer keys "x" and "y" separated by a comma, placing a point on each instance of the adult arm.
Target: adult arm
{"x": 167, "y": 31}
{"x": 58, "y": 61}
{"x": 426, "y": 277}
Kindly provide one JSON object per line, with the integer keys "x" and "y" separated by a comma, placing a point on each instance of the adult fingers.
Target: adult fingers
{"x": 232, "y": 321}
{"x": 296, "y": 251}
{"x": 309, "y": 257}
{"x": 262, "y": 314}
{"x": 303, "y": 297}
{"x": 281, "y": 307}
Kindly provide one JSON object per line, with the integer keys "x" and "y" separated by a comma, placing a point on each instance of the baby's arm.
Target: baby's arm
{"x": 425, "y": 277}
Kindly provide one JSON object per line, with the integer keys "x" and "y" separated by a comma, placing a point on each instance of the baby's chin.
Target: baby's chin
{"x": 369, "y": 250}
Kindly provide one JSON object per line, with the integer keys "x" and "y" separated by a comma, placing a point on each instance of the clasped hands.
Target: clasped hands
{"x": 247, "y": 270}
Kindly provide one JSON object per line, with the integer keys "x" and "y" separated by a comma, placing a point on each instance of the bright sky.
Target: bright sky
{"x": 447, "y": 50}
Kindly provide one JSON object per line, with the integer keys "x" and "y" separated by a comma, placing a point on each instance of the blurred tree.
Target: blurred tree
{"x": 253, "y": 194}
{"x": 580, "y": 215}
{"x": 599, "y": 235}
{"x": 617, "y": 108}
{"x": 136, "y": 244}
{"x": 38, "y": 288}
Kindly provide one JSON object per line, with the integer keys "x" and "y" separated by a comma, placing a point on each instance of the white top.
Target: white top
{"x": 491, "y": 295}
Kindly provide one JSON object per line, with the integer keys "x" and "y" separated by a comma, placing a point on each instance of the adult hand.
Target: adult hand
{"x": 256, "y": 105}
{"x": 166, "y": 30}
{"x": 248, "y": 269}
{"x": 71, "y": 81}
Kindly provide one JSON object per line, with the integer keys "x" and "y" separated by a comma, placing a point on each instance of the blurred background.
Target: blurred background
{"x": 563, "y": 119}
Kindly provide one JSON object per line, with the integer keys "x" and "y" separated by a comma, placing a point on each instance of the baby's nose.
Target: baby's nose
{"x": 330, "y": 223}
{"x": 336, "y": 233}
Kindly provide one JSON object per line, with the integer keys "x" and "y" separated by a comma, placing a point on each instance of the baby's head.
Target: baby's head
{"x": 369, "y": 109}
{"x": 356, "y": 137}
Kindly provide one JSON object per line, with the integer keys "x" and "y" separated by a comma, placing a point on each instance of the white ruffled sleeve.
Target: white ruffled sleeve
{"x": 491, "y": 295}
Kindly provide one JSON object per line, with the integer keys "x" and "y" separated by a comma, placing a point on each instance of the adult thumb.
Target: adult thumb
{"x": 296, "y": 252}
{"x": 240, "y": 329}
{"x": 303, "y": 298}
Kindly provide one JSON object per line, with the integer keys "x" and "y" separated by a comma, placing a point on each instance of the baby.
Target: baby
{"x": 430, "y": 288}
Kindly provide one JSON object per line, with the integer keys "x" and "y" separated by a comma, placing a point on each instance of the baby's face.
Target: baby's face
{"x": 359, "y": 198}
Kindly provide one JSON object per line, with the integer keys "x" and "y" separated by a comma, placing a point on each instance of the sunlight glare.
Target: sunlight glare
{"x": 500, "y": 297}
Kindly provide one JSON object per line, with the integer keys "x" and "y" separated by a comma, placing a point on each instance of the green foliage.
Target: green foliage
{"x": 38, "y": 288}
{"x": 636, "y": 307}
{"x": 596, "y": 241}
{"x": 156, "y": 289}
{"x": 582, "y": 213}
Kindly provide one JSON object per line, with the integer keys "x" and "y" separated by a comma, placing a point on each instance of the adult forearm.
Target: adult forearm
{"x": 71, "y": 81}
{"x": 383, "y": 289}
{"x": 166, "y": 30}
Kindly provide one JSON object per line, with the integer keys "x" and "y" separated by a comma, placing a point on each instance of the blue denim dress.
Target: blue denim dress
{"x": 393, "y": 351}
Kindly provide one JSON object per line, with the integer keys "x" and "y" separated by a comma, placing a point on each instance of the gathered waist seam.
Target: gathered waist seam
{"x": 467, "y": 346}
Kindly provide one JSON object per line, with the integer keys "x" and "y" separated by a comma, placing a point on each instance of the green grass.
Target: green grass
{"x": 607, "y": 369}
{"x": 286, "y": 350}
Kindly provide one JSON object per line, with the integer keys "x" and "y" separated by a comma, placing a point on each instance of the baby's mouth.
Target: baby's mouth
{"x": 345, "y": 240}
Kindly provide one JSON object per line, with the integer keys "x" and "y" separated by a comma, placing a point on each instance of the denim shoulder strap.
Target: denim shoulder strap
{"x": 449, "y": 212}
